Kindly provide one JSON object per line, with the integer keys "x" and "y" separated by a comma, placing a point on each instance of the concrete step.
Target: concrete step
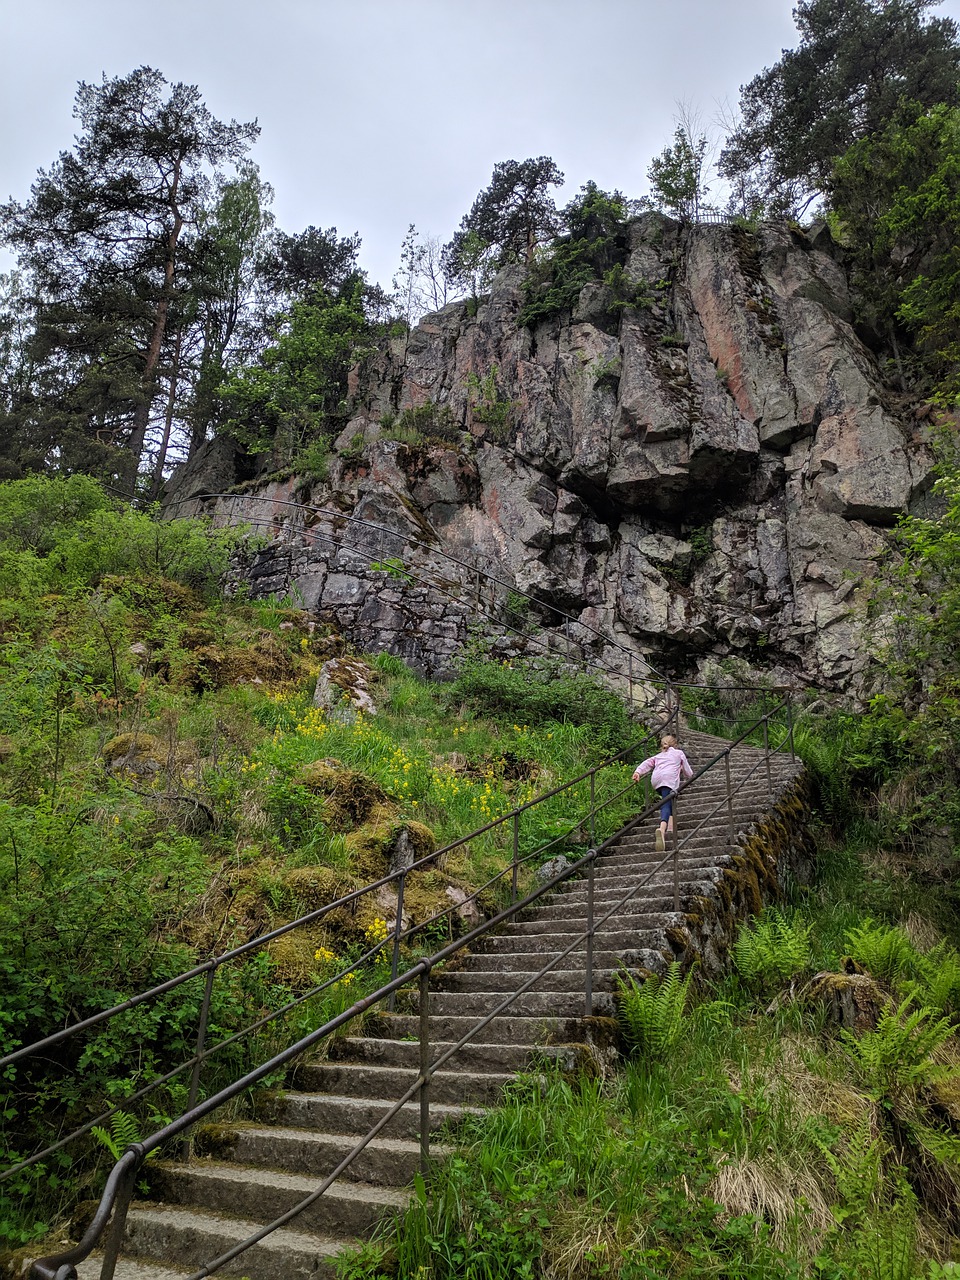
{"x": 131, "y": 1269}
{"x": 331, "y": 1114}
{"x": 556, "y": 939}
{"x": 532, "y": 1004}
{"x": 507, "y": 1028}
{"x": 472, "y": 1057}
{"x": 345, "y": 1209}
{"x": 529, "y": 962}
{"x": 165, "y": 1233}
{"x": 366, "y": 1081}
{"x": 505, "y": 980}
{"x": 388, "y": 1161}
{"x": 574, "y": 922}
{"x": 659, "y": 898}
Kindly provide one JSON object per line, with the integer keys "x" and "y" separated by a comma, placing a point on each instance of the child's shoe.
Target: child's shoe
{"x": 659, "y": 842}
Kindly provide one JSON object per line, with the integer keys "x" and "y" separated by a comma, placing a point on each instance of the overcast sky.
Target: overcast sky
{"x": 378, "y": 113}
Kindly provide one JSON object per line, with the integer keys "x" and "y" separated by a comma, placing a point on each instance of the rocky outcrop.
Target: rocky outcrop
{"x": 705, "y": 474}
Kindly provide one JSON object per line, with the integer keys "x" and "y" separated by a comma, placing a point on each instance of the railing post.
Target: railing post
{"x": 113, "y": 1243}
{"x": 588, "y": 969}
{"x": 593, "y": 805}
{"x": 630, "y": 678}
{"x": 676, "y": 858}
{"x": 726, "y": 768}
{"x": 187, "y": 1147}
{"x": 425, "y": 1072}
{"x": 566, "y": 631}
{"x": 516, "y": 856}
{"x": 397, "y": 930}
{"x": 766, "y": 748}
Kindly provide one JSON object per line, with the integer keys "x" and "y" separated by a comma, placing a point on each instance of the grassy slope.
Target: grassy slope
{"x": 167, "y": 791}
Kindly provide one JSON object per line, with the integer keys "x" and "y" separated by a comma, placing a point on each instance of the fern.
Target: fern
{"x": 883, "y": 950}
{"x": 896, "y": 1058}
{"x": 857, "y": 1170}
{"x": 123, "y": 1133}
{"x": 772, "y": 950}
{"x": 652, "y": 1012}
{"x": 938, "y": 979}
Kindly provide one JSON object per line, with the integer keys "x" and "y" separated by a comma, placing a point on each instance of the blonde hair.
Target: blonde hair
{"x": 668, "y": 740}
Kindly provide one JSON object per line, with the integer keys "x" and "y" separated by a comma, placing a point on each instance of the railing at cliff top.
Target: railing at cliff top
{"x": 110, "y": 1216}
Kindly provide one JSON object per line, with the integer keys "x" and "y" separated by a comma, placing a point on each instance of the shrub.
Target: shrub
{"x": 651, "y": 1013}
{"x": 534, "y": 692}
{"x": 772, "y": 950}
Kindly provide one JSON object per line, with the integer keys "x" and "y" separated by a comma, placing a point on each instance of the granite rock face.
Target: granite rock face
{"x": 707, "y": 474}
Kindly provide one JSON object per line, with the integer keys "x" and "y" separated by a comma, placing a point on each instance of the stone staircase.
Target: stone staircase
{"x": 247, "y": 1174}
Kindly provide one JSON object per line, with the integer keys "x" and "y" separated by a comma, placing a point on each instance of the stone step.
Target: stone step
{"x": 574, "y": 922}
{"x": 529, "y": 962}
{"x": 658, "y": 899}
{"x": 366, "y": 1081}
{"x": 131, "y": 1269}
{"x": 507, "y": 1028}
{"x": 191, "y": 1238}
{"x": 506, "y": 980}
{"x": 345, "y": 1208}
{"x": 388, "y": 1161}
{"x": 556, "y": 939}
{"x": 472, "y": 1057}
{"x": 604, "y": 898}
{"x": 332, "y": 1114}
{"x": 533, "y": 1004}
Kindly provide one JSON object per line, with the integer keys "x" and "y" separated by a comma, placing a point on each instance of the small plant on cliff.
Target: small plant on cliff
{"x": 487, "y": 407}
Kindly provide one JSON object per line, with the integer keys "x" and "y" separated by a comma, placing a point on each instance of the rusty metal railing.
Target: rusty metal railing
{"x": 107, "y": 1226}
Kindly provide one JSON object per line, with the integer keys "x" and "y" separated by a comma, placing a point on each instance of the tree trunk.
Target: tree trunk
{"x": 167, "y": 420}
{"x": 148, "y": 380}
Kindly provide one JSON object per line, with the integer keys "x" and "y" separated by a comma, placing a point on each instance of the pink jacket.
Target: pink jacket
{"x": 667, "y": 767}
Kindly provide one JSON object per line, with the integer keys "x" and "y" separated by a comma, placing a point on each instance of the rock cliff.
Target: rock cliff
{"x": 705, "y": 473}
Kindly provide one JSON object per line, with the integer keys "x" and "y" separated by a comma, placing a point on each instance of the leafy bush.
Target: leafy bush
{"x": 897, "y": 1058}
{"x": 535, "y": 692}
{"x": 651, "y": 1012}
{"x": 885, "y": 951}
{"x": 772, "y": 950}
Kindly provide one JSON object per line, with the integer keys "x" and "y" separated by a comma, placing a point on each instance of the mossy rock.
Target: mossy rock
{"x": 351, "y": 797}
{"x": 851, "y": 1000}
{"x": 215, "y": 1139}
{"x": 152, "y": 593}
{"x": 260, "y": 659}
{"x": 943, "y": 1098}
{"x": 314, "y": 887}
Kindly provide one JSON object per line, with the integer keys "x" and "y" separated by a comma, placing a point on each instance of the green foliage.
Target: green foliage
{"x": 897, "y": 1058}
{"x": 313, "y": 460}
{"x": 535, "y": 692}
{"x": 772, "y": 950}
{"x": 393, "y": 567}
{"x": 855, "y": 62}
{"x": 486, "y": 406}
{"x": 593, "y": 251}
{"x": 677, "y": 175}
{"x": 884, "y": 951}
{"x": 352, "y": 453}
{"x": 295, "y": 393}
{"x": 651, "y": 1012}
{"x": 508, "y": 219}
{"x": 427, "y": 423}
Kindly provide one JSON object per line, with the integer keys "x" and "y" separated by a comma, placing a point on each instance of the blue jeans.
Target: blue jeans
{"x": 666, "y": 809}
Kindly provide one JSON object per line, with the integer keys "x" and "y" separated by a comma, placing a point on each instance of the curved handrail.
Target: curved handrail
{"x": 209, "y": 967}
{"x": 61, "y": 1266}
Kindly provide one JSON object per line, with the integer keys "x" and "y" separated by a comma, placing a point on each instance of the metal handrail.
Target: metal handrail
{"x": 211, "y": 966}
{"x": 120, "y": 1183}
